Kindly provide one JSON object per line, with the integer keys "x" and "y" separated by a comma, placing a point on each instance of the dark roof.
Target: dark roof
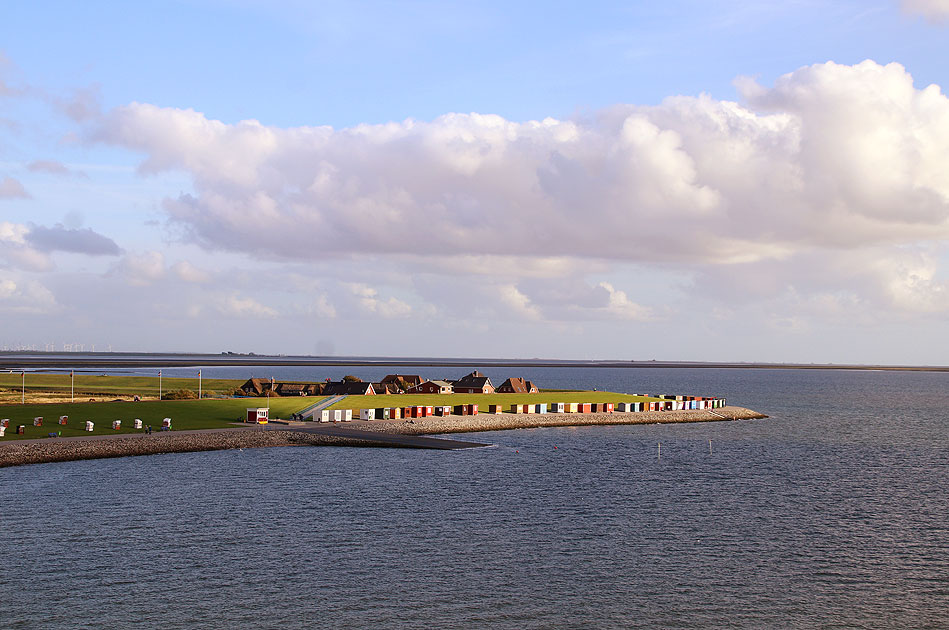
{"x": 475, "y": 379}
{"x": 385, "y": 388}
{"x": 411, "y": 379}
{"x": 347, "y": 388}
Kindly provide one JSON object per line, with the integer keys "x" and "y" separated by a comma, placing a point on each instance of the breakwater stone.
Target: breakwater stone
{"x": 18, "y": 453}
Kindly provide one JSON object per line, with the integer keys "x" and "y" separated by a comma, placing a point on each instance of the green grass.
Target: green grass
{"x": 119, "y": 385}
{"x": 483, "y": 400}
{"x": 184, "y": 414}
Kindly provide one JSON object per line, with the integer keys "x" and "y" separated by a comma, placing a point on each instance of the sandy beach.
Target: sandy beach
{"x": 23, "y": 452}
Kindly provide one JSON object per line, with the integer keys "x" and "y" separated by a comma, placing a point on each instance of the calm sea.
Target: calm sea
{"x": 832, "y": 513}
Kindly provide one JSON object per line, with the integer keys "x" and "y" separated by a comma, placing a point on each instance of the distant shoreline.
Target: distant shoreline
{"x": 14, "y": 361}
{"x": 44, "y": 451}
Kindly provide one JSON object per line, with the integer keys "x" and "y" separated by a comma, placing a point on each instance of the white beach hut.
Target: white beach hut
{"x": 367, "y": 414}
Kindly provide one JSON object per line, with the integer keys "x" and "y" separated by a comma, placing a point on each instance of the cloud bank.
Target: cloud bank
{"x": 831, "y": 157}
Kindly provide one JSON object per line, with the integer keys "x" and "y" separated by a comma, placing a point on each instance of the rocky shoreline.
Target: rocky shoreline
{"x": 19, "y": 453}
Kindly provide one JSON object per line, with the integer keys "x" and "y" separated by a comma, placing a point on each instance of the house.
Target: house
{"x": 257, "y": 386}
{"x": 263, "y": 386}
{"x": 432, "y": 387}
{"x": 474, "y": 383}
{"x": 409, "y": 380}
{"x": 386, "y": 388}
{"x": 298, "y": 389}
{"x": 348, "y": 388}
{"x": 517, "y": 385}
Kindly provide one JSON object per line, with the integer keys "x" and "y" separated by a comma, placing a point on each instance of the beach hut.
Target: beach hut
{"x": 406, "y": 412}
{"x": 540, "y": 408}
{"x": 472, "y": 409}
{"x": 63, "y": 419}
{"x": 325, "y": 415}
{"x": 38, "y": 421}
{"x": 528, "y": 408}
{"x": 3, "y": 430}
{"x": 515, "y": 409}
{"x": 257, "y": 415}
{"x": 166, "y": 423}
{"x": 624, "y": 407}
{"x": 21, "y": 429}
{"x": 380, "y": 413}
{"x": 395, "y": 413}
{"x": 367, "y": 414}
{"x": 5, "y": 422}
{"x": 556, "y": 407}
{"x": 347, "y": 415}
{"x": 495, "y": 409}
{"x": 137, "y": 423}
{"x": 116, "y": 425}
{"x": 440, "y": 411}
{"x": 461, "y": 410}
{"x": 89, "y": 425}
{"x": 584, "y": 408}
{"x": 428, "y": 411}
{"x": 337, "y": 415}
{"x": 571, "y": 408}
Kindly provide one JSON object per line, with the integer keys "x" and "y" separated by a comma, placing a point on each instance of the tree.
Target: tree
{"x": 349, "y": 378}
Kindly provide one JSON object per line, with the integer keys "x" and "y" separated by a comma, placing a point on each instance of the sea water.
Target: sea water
{"x": 830, "y": 513}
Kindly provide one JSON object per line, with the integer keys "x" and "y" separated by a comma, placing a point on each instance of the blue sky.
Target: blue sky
{"x": 682, "y": 180}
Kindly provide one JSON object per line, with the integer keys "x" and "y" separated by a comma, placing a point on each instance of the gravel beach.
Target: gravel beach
{"x": 22, "y": 452}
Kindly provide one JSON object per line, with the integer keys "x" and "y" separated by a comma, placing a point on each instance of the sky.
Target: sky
{"x": 685, "y": 180}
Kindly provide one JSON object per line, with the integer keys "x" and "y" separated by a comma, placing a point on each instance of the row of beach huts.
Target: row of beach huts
{"x": 89, "y": 426}
{"x": 666, "y": 403}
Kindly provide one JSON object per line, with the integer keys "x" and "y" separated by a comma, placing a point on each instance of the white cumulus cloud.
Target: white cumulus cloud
{"x": 935, "y": 10}
{"x": 831, "y": 156}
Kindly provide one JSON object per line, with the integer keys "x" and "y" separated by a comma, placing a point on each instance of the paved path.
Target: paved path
{"x": 311, "y": 411}
{"x": 414, "y": 441}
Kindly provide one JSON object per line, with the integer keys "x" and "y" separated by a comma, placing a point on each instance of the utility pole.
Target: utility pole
{"x": 159, "y": 384}
{"x": 72, "y": 384}
{"x": 23, "y": 399}
{"x": 199, "y": 384}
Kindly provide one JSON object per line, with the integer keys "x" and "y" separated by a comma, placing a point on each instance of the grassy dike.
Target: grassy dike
{"x": 184, "y": 414}
{"x": 87, "y": 385}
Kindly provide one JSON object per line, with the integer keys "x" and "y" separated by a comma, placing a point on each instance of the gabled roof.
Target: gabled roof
{"x": 475, "y": 379}
{"x": 385, "y": 388}
{"x": 517, "y": 385}
{"x": 411, "y": 379}
{"x": 347, "y": 388}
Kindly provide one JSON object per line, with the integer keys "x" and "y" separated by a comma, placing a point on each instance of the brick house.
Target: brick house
{"x": 474, "y": 383}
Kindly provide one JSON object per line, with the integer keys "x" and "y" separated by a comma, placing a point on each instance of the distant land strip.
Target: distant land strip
{"x": 15, "y": 361}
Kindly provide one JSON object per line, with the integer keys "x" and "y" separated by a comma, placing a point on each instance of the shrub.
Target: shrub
{"x": 180, "y": 394}
{"x": 349, "y": 378}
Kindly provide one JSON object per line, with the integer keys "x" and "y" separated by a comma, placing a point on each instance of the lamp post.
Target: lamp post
{"x": 159, "y": 384}
{"x": 72, "y": 385}
{"x": 199, "y": 384}
{"x": 23, "y": 390}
